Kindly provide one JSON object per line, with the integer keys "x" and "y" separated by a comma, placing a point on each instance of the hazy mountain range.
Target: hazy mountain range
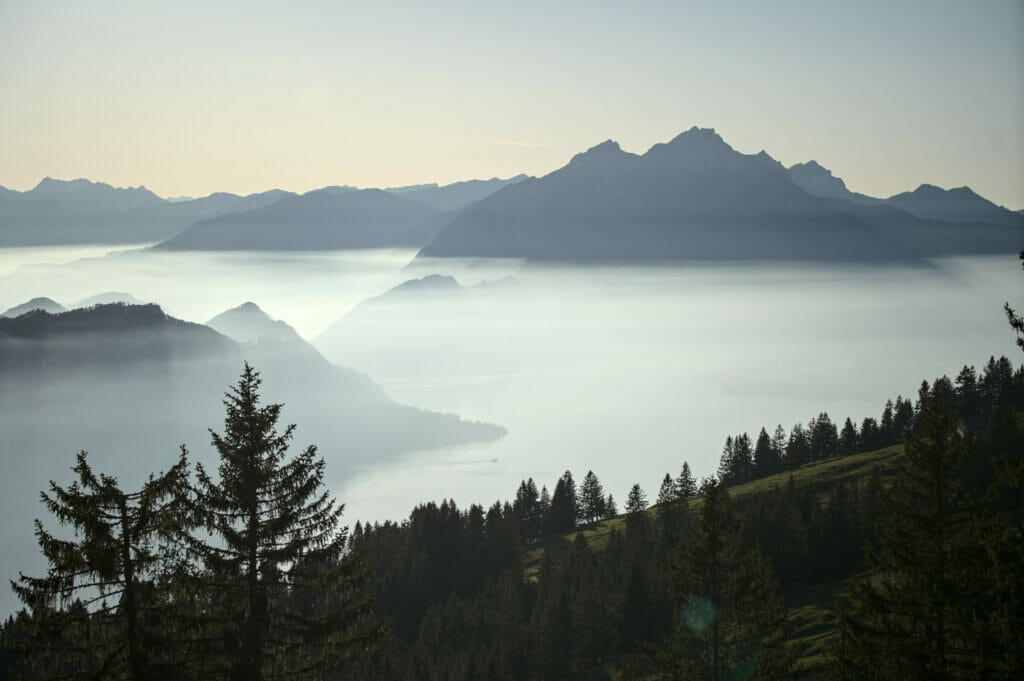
{"x": 691, "y": 198}
{"x": 697, "y": 198}
{"x": 142, "y": 357}
{"x": 53, "y": 307}
{"x": 83, "y": 212}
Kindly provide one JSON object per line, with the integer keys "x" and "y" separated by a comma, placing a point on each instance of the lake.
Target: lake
{"x": 626, "y": 371}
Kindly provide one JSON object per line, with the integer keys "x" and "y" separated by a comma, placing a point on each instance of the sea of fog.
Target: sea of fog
{"x": 626, "y": 371}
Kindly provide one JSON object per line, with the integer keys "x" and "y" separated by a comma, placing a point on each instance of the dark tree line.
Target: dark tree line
{"x": 975, "y": 398}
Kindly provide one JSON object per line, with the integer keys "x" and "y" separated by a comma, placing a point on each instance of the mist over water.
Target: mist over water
{"x": 630, "y": 371}
{"x": 627, "y": 371}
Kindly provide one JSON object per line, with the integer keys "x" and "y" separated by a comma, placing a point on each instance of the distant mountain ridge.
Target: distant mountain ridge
{"x": 53, "y": 307}
{"x": 319, "y": 220}
{"x": 819, "y": 181}
{"x": 696, "y": 198}
{"x": 83, "y": 350}
{"x": 84, "y": 212}
{"x": 960, "y": 205}
{"x": 41, "y": 303}
{"x": 693, "y": 197}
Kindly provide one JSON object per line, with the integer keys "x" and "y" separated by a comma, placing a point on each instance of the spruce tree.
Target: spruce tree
{"x": 564, "y": 511}
{"x": 592, "y": 500}
{"x": 611, "y": 509}
{"x": 849, "y": 439}
{"x": 101, "y": 611}
{"x": 729, "y": 621}
{"x": 667, "y": 491}
{"x": 636, "y": 500}
{"x": 275, "y": 536}
{"x": 928, "y": 609}
{"x": 685, "y": 485}
{"x": 766, "y": 461}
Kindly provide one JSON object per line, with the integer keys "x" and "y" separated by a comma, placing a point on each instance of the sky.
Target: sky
{"x": 188, "y": 98}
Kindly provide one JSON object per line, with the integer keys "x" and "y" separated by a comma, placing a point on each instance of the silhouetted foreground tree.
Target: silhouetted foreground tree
{"x": 269, "y": 590}
{"x": 101, "y": 610}
{"x": 729, "y": 621}
{"x": 283, "y": 602}
{"x": 944, "y": 600}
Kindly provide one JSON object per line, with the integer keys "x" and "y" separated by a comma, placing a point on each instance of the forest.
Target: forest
{"x": 888, "y": 549}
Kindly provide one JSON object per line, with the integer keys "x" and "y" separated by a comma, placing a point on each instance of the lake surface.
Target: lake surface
{"x": 625, "y": 371}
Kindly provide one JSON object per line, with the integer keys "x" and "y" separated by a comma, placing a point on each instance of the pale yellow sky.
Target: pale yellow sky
{"x": 194, "y": 97}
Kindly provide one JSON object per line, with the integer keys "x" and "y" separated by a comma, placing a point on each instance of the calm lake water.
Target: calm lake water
{"x": 625, "y": 371}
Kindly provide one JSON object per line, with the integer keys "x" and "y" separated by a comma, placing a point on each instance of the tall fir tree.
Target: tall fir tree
{"x": 102, "y": 611}
{"x": 930, "y": 609}
{"x": 611, "y": 509}
{"x": 275, "y": 534}
{"x": 766, "y": 461}
{"x": 685, "y": 486}
{"x": 849, "y": 439}
{"x": 592, "y": 499}
{"x": 667, "y": 491}
{"x": 636, "y": 500}
{"x": 564, "y": 511}
{"x": 729, "y": 623}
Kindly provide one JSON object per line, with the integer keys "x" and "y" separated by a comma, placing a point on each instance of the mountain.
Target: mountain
{"x": 106, "y": 299}
{"x": 44, "y": 304}
{"x": 97, "y": 197}
{"x": 84, "y": 212}
{"x": 368, "y": 319}
{"x": 428, "y": 331}
{"x": 140, "y": 349}
{"x": 247, "y": 323}
{"x": 324, "y": 219}
{"x": 130, "y": 384}
{"x": 694, "y": 197}
{"x": 819, "y": 181}
{"x": 960, "y": 205}
{"x": 455, "y": 196}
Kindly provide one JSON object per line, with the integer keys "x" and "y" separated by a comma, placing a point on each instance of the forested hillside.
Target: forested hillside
{"x": 560, "y": 585}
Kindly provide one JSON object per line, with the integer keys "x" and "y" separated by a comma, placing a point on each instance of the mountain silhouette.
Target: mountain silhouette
{"x": 455, "y": 196}
{"x": 107, "y": 298}
{"x": 959, "y": 205}
{"x": 819, "y": 181}
{"x": 44, "y": 304}
{"x": 158, "y": 368}
{"x": 323, "y": 219}
{"x": 691, "y": 198}
{"x": 247, "y": 323}
{"x": 84, "y": 212}
{"x": 695, "y": 197}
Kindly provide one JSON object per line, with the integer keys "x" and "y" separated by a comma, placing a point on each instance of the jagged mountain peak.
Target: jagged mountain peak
{"x": 609, "y": 149}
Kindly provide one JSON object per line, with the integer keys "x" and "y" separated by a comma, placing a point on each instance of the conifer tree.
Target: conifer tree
{"x": 798, "y": 447}
{"x": 766, "y": 461}
{"x": 926, "y": 612}
{"x": 101, "y": 610}
{"x": 527, "y": 509}
{"x": 636, "y": 500}
{"x": 275, "y": 534}
{"x": 592, "y": 500}
{"x": 611, "y": 509}
{"x": 564, "y": 510}
{"x": 849, "y": 439}
{"x": 729, "y": 621}
{"x": 685, "y": 485}
{"x": 667, "y": 491}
